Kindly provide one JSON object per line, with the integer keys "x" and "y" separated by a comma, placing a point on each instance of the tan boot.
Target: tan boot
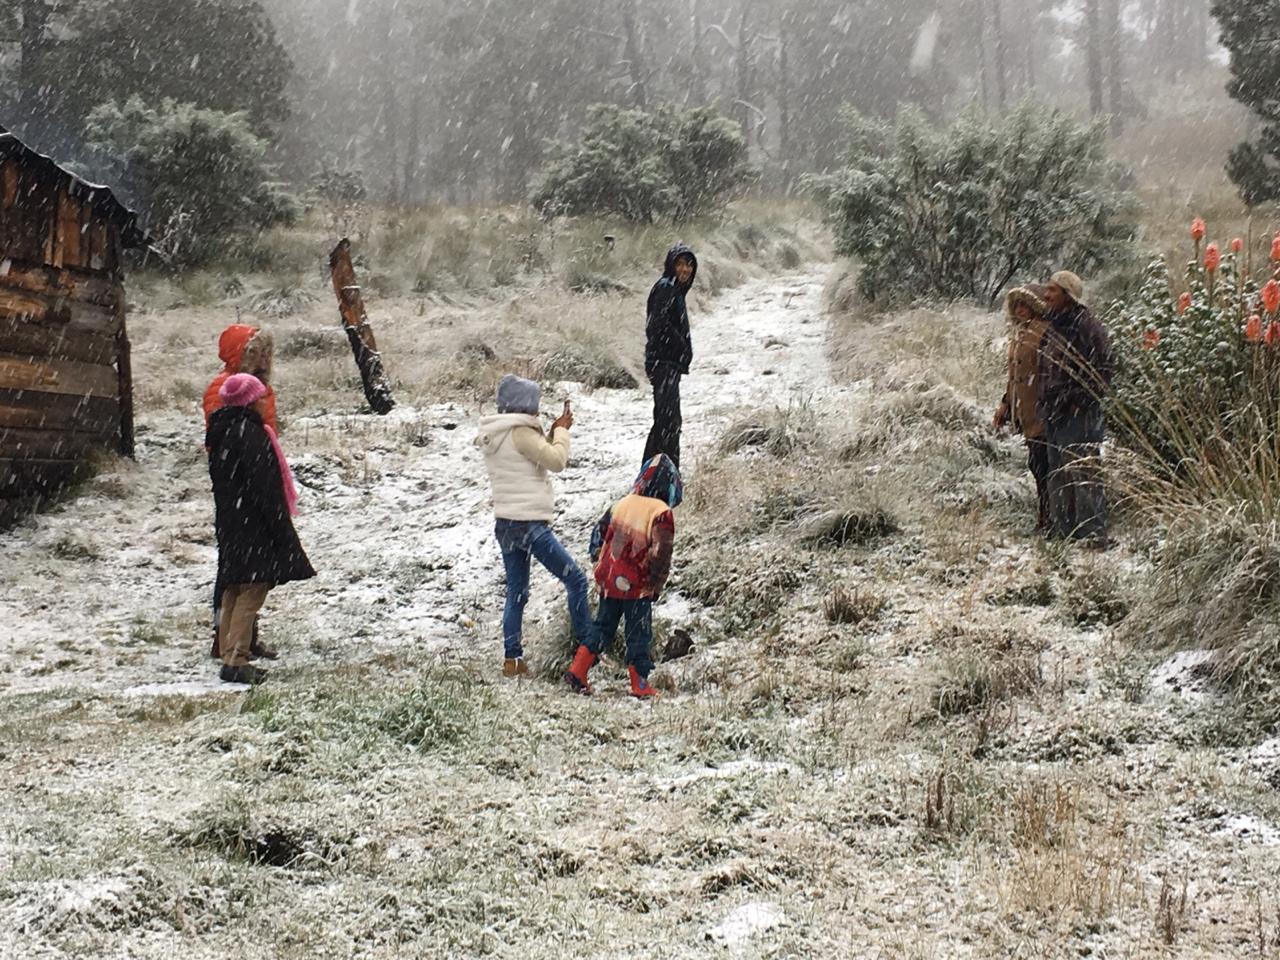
{"x": 515, "y": 667}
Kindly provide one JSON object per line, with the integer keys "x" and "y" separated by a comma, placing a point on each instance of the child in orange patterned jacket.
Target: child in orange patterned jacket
{"x": 632, "y": 547}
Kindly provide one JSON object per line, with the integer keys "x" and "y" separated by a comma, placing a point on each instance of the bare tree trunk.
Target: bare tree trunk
{"x": 634, "y": 52}
{"x": 997, "y": 23}
{"x": 34, "y": 45}
{"x": 413, "y": 149}
{"x": 784, "y": 100}
{"x": 1093, "y": 56}
{"x": 1115, "y": 64}
{"x": 743, "y": 71}
{"x": 377, "y": 388}
{"x": 390, "y": 125}
{"x": 984, "y": 80}
{"x": 698, "y": 84}
{"x": 1028, "y": 50}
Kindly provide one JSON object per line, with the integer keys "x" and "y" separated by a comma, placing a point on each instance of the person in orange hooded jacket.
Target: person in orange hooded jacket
{"x": 242, "y": 349}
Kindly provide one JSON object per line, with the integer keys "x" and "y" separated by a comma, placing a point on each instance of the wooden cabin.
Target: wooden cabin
{"x": 65, "y": 384}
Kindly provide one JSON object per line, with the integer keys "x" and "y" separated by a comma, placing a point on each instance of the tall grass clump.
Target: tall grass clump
{"x": 1194, "y": 409}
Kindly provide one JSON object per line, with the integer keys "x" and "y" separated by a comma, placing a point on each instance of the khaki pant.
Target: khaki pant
{"x": 240, "y": 605}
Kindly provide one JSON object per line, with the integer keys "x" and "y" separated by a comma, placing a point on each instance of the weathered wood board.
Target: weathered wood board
{"x": 42, "y": 375}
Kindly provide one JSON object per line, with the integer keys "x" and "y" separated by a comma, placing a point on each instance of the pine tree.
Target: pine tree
{"x": 1250, "y": 30}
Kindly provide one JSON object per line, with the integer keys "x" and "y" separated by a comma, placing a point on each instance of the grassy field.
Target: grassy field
{"x": 907, "y": 729}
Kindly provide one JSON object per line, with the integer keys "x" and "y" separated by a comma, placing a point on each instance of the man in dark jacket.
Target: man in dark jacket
{"x": 1074, "y": 374}
{"x": 668, "y": 350}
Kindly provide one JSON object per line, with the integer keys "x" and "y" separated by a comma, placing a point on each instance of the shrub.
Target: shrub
{"x": 958, "y": 212}
{"x": 1194, "y": 407}
{"x": 201, "y": 175}
{"x": 668, "y": 164}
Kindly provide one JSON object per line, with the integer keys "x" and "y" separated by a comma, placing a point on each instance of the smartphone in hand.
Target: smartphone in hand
{"x": 566, "y": 417}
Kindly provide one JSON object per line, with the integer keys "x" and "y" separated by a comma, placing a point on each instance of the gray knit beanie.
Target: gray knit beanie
{"x": 518, "y": 395}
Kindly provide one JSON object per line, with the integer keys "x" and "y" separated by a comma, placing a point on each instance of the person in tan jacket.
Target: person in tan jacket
{"x": 1025, "y": 308}
{"x": 520, "y": 460}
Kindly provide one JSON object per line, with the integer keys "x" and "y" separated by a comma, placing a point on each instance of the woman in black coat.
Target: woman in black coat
{"x": 254, "y": 500}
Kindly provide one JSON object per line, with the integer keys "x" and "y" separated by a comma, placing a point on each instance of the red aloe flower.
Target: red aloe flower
{"x": 1275, "y": 248}
{"x": 1184, "y": 302}
{"x": 1151, "y": 339}
{"x": 1271, "y": 296}
{"x": 1253, "y": 329}
{"x": 1237, "y": 245}
{"x": 1272, "y": 336}
{"x": 1212, "y": 257}
{"x": 1197, "y": 229}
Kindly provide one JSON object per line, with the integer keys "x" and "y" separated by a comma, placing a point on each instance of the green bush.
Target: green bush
{"x": 958, "y": 212}
{"x": 1199, "y": 344}
{"x": 1194, "y": 407}
{"x": 670, "y": 164}
{"x": 201, "y": 175}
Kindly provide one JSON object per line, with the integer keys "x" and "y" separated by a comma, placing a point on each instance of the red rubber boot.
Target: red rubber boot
{"x": 576, "y": 675}
{"x": 640, "y": 686}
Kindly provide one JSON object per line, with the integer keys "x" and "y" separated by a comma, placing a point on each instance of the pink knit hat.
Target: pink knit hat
{"x": 242, "y": 389}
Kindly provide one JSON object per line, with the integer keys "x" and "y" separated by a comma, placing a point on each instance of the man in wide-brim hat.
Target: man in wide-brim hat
{"x": 1025, "y": 309}
{"x": 1073, "y": 375}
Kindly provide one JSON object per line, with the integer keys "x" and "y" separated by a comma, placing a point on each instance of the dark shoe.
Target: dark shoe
{"x": 260, "y": 651}
{"x": 640, "y": 686}
{"x": 245, "y": 674}
{"x": 576, "y": 675}
{"x": 1099, "y": 544}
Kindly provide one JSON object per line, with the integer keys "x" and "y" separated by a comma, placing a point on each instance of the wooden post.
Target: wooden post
{"x": 124, "y": 370}
{"x": 377, "y": 389}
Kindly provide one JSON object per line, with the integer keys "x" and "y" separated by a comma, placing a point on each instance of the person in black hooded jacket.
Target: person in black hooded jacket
{"x": 258, "y": 548}
{"x": 668, "y": 350}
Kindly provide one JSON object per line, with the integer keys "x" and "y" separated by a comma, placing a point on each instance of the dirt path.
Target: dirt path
{"x": 110, "y": 592}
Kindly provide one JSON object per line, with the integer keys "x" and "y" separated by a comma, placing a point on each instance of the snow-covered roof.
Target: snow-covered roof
{"x": 97, "y": 195}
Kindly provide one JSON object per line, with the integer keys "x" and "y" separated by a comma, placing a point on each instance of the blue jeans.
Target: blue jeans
{"x": 638, "y": 632}
{"x": 519, "y": 541}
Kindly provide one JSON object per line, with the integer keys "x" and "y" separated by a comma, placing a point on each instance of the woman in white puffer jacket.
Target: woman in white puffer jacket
{"x": 520, "y": 460}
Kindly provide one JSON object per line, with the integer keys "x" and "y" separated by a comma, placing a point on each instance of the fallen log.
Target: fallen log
{"x": 377, "y": 388}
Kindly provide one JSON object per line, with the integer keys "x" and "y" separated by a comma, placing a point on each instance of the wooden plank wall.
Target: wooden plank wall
{"x": 62, "y": 341}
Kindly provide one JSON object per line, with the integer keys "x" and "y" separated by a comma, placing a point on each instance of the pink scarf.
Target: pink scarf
{"x": 286, "y": 475}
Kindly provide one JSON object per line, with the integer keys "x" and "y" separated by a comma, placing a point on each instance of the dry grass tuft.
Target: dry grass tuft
{"x": 855, "y": 606}
{"x": 982, "y": 669}
{"x": 849, "y": 526}
{"x": 781, "y": 432}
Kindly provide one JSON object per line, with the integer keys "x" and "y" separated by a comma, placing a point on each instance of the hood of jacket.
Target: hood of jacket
{"x": 495, "y": 427}
{"x": 232, "y": 343}
{"x": 660, "y": 479}
{"x": 669, "y": 268}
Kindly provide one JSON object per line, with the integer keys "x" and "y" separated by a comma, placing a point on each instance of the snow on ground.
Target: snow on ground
{"x": 107, "y": 597}
{"x": 399, "y": 532}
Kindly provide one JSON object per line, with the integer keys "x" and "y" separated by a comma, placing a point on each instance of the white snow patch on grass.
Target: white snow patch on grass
{"x": 1185, "y": 674}
{"x": 747, "y": 921}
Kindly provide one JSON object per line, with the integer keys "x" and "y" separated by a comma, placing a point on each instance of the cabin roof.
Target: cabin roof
{"x": 99, "y": 197}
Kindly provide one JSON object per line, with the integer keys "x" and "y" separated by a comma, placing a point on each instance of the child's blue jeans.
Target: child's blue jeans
{"x": 520, "y": 541}
{"x": 638, "y": 632}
